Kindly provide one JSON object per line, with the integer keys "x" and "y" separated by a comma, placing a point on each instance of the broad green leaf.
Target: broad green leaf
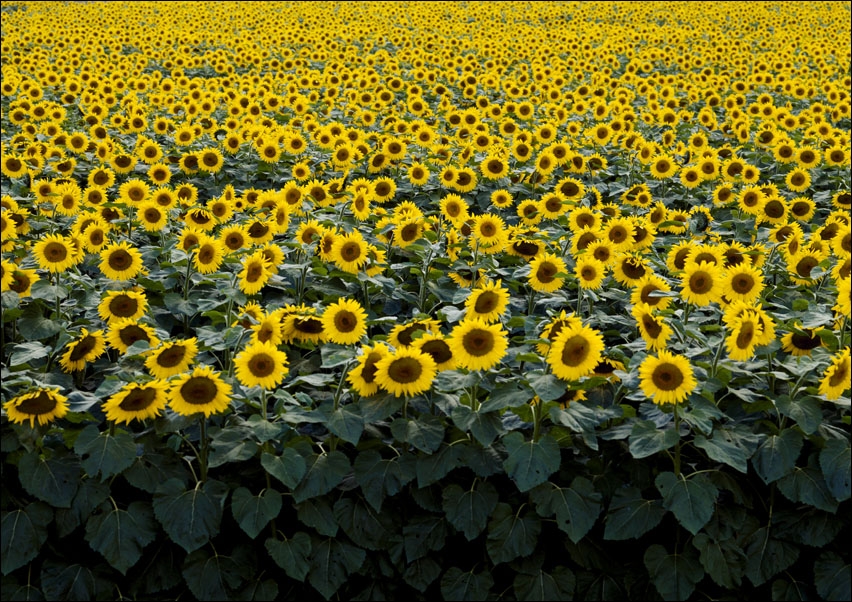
{"x": 346, "y": 423}
{"x": 809, "y": 527}
{"x": 379, "y": 477}
{"x": 24, "y": 353}
{"x": 724, "y": 561}
{"x": 426, "y": 433}
{"x": 485, "y": 427}
{"x": 836, "y": 463}
{"x": 289, "y": 467}
{"x": 22, "y": 533}
{"x": 34, "y": 327}
{"x": 777, "y": 455}
{"x": 789, "y": 591}
{"x": 104, "y": 454}
{"x": 253, "y": 512}
{"x": 767, "y": 556}
{"x": 733, "y": 447}
{"x": 578, "y": 417}
{"x": 422, "y": 534}
{"x": 807, "y": 485}
{"x": 505, "y": 396}
{"x": 463, "y": 586}
{"x": 576, "y": 507}
{"x": 541, "y": 586}
{"x": 468, "y": 510}
{"x": 630, "y": 515}
{"x": 121, "y": 535}
{"x": 483, "y": 461}
{"x": 291, "y": 554}
{"x": 324, "y": 472}
{"x": 316, "y": 512}
{"x": 210, "y": 576}
{"x": 231, "y": 445}
{"x": 378, "y": 407}
{"x": 511, "y": 535}
{"x": 646, "y": 439}
{"x": 60, "y": 581}
{"x": 190, "y": 517}
{"x": 530, "y": 463}
{"x": 155, "y": 467}
{"x": 52, "y": 480}
{"x": 332, "y": 561}
{"x": 90, "y": 494}
{"x": 832, "y": 577}
{"x": 547, "y": 386}
{"x": 257, "y": 589}
{"x": 691, "y": 500}
{"x": 434, "y": 467}
{"x": 421, "y": 573}
{"x": 674, "y": 575}
{"x": 372, "y": 530}
{"x": 806, "y": 411}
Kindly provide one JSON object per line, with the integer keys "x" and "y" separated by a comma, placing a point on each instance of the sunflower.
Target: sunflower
{"x": 477, "y": 345}
{"x": 200, "y": 391}
{"x": 349, "y": 252}
{"x": 436, "y": 345}
{"x": 208, "y": 256}
{"x": 303, "y": 325}
{"x": 418, "y": 174}
{"x": 663, "y": 167}
{"x": 137, "y": 401}
{"x": 488, "y": 301}
{"x": 743, "y": 282}
{"x": 405, "y": 372}
{"x": 262, "y": 365}
{"x": 152, "y": 216}
{"x": 744, "y": 333}
{"x": 835, "y": 379}
{"x": 494, "y": 167}
{"x": 798, "y": 180}
{"x": 666, "y": 378}
{"x": 407, "y": 232}
{"x": 801, "y": 342}
{"x": 54, "y": 253}
{"x": 171, "y": 358}
{"x": 630, "y": 268}
{"x": 652, "y": 328}
{"x": 554, "y": 327}
{"x": 570, "y": 189}
{"x": 454, "y": 208}
{"x": 21, "y": 281}
{"x": 403, "y": 335}
{"x": 124, "y": 333}
{"x": 255, "y": 273}
{"x": 120, "y": 261}
{"x": 575, "y": 351}
{"x": 702, "y": 283}
{"x": 42, "y": 405}
{"x": 589, "y": 272}
{"x": 344, "y": 322}
{"x": 122, "y": 305}
{"x": 801, "y": 265}
{"x": 544, "y": 270}
{"x": 501, "y": 198}
{"x": 843, "y": 306}
{"x": 86, "y": 348}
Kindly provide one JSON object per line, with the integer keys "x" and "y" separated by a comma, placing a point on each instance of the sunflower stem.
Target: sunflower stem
{"x": 202, "y": 456}
{"x": 677, "y": 445}
{"x": 531, "y": 302}
{"x": 716, "y": 357}
{"x": 536, "y": 412}
{"x": 263, "y": 412}
{"x": 187, "y": 276}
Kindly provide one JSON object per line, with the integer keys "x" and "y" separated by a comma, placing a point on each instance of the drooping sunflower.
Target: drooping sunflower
{"x": 123, "y": 333}
{"x": 202, "y": 391}
{"x": 120, "y": 305}
{"x": 702, "y": 283}
{"x": 652, "y": 328}
{"x": 43, "y": 405}
{"x": 405, "y": 372}
{"x": 88, "y": 347}
{"x": 344, "y": 322}
{"x": 303, "y": 325}
{"x": 403, "y": 335}
{"x": 667, "y": 378}
{"x": 836, "y": 378}
{"x": 488, "y": 301}
{"x": 54, "y": 253}
{"x": 745, "y": 332}
{"x": 171, "y": 357}
{"x": 262, "y": 365}
{"x": 802, "y": 342}
{"x": 477, "y": 345}
{"x": 575, "y": 352}
{"x": 137, "y": 401}
{"x": 543, "y": 273}
{"x": 120, "y": 261}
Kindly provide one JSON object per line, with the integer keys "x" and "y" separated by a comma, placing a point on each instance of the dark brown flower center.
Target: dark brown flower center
{"x": 575, "y": 351}
{"x": 171, "y": 357}
{"x": 478, "y": 342}
{"x": 667, "y": 377}
{"x": 198, "y": 390}
{"x": 120, "y": 260}
{"x": 43, "y": 403}
{"x": 345, "y": 321}
{"x": 405, "y": 370}
{"x": 261, "y": 364}
{"x": 55, "y": 252}
{"x": 138, "y": 399}
{"x": 83, "y": 347}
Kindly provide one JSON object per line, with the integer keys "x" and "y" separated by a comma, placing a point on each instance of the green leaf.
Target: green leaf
{"x": 190, "y": 517}
{"x": 724, "y": 561}
{"x": 291, "y": 554}
{"x": 468, "y": 510}
{"x": 32, "y": 326}
{"x": 646, "y": 439}
{"x": 323, "y": 473}
{"x": 542, "y": 586}
{"x": 421, "y": 573}
{"x": 836, "y": 464}
{"x": 691, "y": 500}
{"x": 485, "y": 427}
{"x": 422, "y": 534}
{"x": 345, "y": 422}
{"x": 379, "y": 477}
{"x": 153, "y": 468}
{"x": 832, "y": 577}
{"x": 777, "y": 455}
{"x": 210, "y": 576}
{"x": 511, "y": 535}
{"x": 630, "y": 515}
{"x": 806, "y": 411}
{"x": 505, "y": 396}
{"x": 90, "y": 494}
{"x": 22, "y": 533}
{"x": 530, "y": 463}
{"x": 24, "y": 353}
{"x": 253, "y": 512}
{"x": 576, "y": 507}
{"x": 810, "y": 527}
{"x": 61, "y": 581}
{"x": 426, "y": 433}
{"x": 767, "y": 556}
{"x": 547, "y": 386}
{"x": 231, "y": 445}
{"x": 316, "y": 512}
{"x": 378, "y": 407}
{"x": 289, "y": 467}
{"x": 674, "y": 575}
{"x": 807, "y": 485}
{"x": 463, "y": 586}
{"x": 53, "y": 480}
{"x": 789, "y": 591}
{"x": 432, "y": 468}
{"x": 121, "y": 535}
{"x": 372, "y": 530}
{"x": 730, "y": 446}
{"x": 332, "y": 562}
{"x": 104, "y": 454}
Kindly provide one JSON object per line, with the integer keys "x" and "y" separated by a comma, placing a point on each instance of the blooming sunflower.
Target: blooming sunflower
{"x": 702, "y": 283}
{"x": 120, "y": 261}
{"x": 349, "y": 252}
{"x": 172, "y": 357}
{"x": 745, "y": 332}
{"x": 743, "y": 282}
{"x": 303, "y": 326}
{"x": 652, "y": 328}
{"x": 120, "y": 305}
{"x": 21, "y": 281}
{"x": 405, "y": 372}
{"x": 835, "y": 379}
{"x": 402, "y": 335}
{"x": 488, "y": 301}
{"x": 666, "y": 378}
{"x": 208, "y": 256}
{"x": 363, "y": 376}
{"x": 589, "y": 272}
{"x": 575, "y": 352}
{"x": 477, "y": 345}
{"x": 54, "y": 253}
{"x": 663, "y": 167}
{"x": 125, "y": 332}
{"x": 344, "y": 322}
{"x": 651, "y": 290}
{"x": 86, "y": 348}
{"x": 543, "y": 273}
{"x": 801, "y": 342}
{"x": 436, "y": 345}
{"x": 798, "y": 180}
{"x": 42, "y": 405}
{"x": 255, "y": 273}
{"x": 200, "y": 391}
{"x": 554, "y": 327}
{"x": 137, "y": 401}
{"x": 262, "y": 365}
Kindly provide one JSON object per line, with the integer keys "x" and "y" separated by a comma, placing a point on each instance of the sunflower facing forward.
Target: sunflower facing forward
{"x": 172, "y": 358}
{"x": 477, "y": 345}
{"x": 200, "y": 391}
{"x": 344, "y": 322}
{"x": 262, "y": 365}
{"x": 488, "y": 301}
{"x": 137, "y": 401}
{"x": 405, "y": 372}
{"x": 120, "y": 261}
{"x": 575, "y": 351}
{"x": 42, "y": 405}
{"x": 666, "y": 378}
{"x": 363, "y": 376}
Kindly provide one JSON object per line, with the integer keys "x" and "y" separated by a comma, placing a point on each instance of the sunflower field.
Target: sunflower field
{"x": 425, "y": 300}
